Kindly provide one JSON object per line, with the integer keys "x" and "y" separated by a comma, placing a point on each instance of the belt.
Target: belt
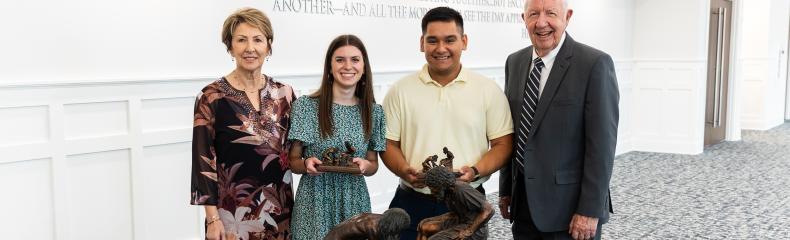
{"x": 413, "y": 192}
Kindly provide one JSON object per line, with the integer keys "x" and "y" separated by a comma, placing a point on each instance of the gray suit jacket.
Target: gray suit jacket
{"x": 570, "y": 149}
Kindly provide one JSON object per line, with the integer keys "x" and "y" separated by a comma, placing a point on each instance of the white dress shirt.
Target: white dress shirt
{"x": 548, "y": 62}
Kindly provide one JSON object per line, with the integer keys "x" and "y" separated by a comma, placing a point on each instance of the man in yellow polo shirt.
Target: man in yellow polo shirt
{"x": 443, "y": 105}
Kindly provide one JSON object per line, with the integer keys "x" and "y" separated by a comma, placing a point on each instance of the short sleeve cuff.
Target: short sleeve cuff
{"x": 500, "y": 134}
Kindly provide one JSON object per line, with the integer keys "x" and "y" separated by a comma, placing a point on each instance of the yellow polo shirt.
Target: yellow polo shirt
{"x": 463, "y": 116}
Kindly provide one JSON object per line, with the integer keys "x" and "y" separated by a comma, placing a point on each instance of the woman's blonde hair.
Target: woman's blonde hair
{"x": 251, "y": 16}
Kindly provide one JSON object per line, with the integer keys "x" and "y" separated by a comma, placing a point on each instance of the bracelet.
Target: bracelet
{"x": 212, "y": 219}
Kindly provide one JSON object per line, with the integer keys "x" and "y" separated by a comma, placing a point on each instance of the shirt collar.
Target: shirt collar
{"x": 552, "y": 54}
{"x": 425, "y": 77}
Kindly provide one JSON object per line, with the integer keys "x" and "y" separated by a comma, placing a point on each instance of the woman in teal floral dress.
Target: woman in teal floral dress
{"x": 343, "y": 109}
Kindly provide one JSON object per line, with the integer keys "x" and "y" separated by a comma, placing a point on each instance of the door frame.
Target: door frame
{"x": 733, "y": 131}
{"x": 787, "y": 78}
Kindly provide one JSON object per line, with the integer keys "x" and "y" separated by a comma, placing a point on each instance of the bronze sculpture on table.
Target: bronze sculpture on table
{"x": 468, "y": 209}
{"x": 334, "y": 161}
{"x": 371, "y": 226}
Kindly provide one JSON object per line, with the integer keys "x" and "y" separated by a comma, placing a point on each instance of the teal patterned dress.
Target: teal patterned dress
{"x": 325, "y": 200}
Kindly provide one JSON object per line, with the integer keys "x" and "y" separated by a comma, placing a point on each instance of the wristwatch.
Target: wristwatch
{"x": 477, "y": 173}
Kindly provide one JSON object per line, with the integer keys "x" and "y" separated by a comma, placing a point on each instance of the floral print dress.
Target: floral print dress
{"x": 239, "y": 159}
{"x": 325, "y": 200}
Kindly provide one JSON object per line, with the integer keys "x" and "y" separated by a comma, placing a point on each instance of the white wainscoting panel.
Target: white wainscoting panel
{"x": 99, "y": 195}
{"x": 92, "y": 159}
{"x": 100, "y": 119}
{"x": 669, "y": 97}
{"x": 27, "y": 200}
{"x": 624, "y": 71}
{"x": 647, "y": 113}
{"x": 753, "y": 93}
{"x": 787, "y": 97}
{"x": 752, "y": 106}
{"x": 165, "y": 193}
{"x": 24, "y": 125}
{"x": 166, "y": 113}
{"x": 677, "y": 119}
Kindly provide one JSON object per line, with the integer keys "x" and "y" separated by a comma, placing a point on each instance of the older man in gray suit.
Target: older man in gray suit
{"x": 563, "y": 96}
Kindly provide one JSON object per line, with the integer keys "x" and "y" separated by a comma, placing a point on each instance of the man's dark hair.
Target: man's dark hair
{"x": 443, "y": 14}
{"x": 392, "y": 222}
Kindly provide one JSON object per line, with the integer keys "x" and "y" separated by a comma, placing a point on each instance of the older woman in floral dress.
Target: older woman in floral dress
{"x": 240, "y": 170}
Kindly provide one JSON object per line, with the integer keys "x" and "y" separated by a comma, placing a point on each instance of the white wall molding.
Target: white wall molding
{"x": 677, "y": 145}
{"x": 734, "y": 109}
{"x": 669, "y": 75}
{"x": 132, "y": 100}
{"x": 755, "y": 89}
{"x": 142, "y": 120}
{"x": 140, "y": 117}
{"x": 88, "y": 120}
{"x": 60, "y": 191}
{"x": 98, "y": 82}
{"x": 201, "y": 79}
{"x": 668, "y": 106}
{"x": 624, "y": 69}
{"x": 668, "y": 60}
{"x": 764, "y": 48}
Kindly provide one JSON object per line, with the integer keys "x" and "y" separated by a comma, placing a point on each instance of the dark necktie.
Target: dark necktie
{"x": 528, "y": 107}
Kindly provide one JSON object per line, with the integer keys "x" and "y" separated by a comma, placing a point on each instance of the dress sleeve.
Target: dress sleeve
{"x": 204, "y": 160}
{"x": 377, "y": 142}
{"x": 304, "y": 121}
{"x": 287, "y": 142}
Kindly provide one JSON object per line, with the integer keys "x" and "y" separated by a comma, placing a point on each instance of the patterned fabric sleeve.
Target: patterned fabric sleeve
{"x": 377, "y": 142}
{"x": 287, "y": 142}
{"x": 204, "y": 162}
{"x": 304, "y": 121}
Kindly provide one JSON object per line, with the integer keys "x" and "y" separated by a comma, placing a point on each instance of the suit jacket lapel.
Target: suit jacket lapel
{"x": 557, "y": 74}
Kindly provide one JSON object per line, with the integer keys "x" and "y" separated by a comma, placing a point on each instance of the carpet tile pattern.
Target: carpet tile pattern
{"x": 734, "y": 190}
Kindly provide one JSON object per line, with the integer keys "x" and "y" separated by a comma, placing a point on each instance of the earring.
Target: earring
{"x": 267, "y": 58}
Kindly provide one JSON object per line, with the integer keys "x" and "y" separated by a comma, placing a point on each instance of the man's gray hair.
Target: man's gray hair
{"x": 564, "y": 5}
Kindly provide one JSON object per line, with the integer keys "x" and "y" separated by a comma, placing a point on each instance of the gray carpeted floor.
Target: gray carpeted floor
{"x": 734, "y": 190}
